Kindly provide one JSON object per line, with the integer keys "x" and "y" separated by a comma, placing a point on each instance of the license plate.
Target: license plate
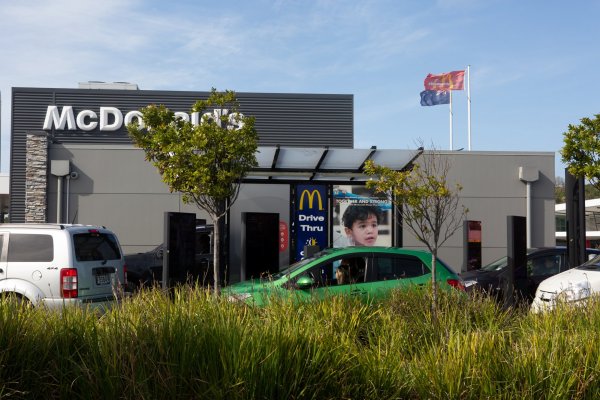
{"x": 103, "y": 279}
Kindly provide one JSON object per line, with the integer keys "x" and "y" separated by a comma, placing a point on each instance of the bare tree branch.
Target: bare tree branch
{"x": 427, "y": 203}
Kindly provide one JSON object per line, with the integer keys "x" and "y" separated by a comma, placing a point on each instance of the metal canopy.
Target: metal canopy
{"x": 324, "y": 163}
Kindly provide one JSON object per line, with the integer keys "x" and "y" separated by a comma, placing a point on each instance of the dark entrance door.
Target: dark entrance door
{"x": 260, "y": 243}
{"x": 178, "y": 258}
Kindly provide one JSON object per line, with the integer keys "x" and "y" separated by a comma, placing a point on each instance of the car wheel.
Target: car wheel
{"x": 21, "y": 301}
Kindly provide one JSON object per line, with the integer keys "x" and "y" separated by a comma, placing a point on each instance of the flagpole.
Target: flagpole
{"x": 450, "y": 119}
{"x": 469, "y": 105}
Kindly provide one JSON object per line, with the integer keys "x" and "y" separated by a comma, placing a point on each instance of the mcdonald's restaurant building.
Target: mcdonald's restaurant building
{"x": 72, "y": 162}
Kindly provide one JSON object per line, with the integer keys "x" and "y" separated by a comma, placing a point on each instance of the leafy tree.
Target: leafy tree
{"x": 427, "y": 203}
{"x": 559, "y": 190}
{"x": 560, "y": 196}
{"x": 205, "y": 162}
{"x": 592, "y": 192}
{"x": 581, "y": 151}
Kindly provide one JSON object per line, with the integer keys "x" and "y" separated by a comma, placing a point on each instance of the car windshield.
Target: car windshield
{"x": 497, "y": 265}
{"x": 502, "y": 263}
{"x": 295, "y": 266}
{"x": 592, "y": 264}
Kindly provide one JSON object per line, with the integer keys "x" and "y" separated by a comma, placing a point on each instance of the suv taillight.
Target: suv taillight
{"x": 125, "y": 273}
{"x": 456, "y": 283}
{"x": 68, "y": 283}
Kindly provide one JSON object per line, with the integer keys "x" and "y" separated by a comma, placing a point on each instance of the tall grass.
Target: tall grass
{"x": 187, "y": 344}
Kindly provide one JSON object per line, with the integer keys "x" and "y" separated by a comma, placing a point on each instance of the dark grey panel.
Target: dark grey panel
{"x": 281, "y": 119}
{"x": 28, "y": 117}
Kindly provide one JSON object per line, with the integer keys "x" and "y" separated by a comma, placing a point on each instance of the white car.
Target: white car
{"x": 56, "y": 265}
{"x": 569, "y": 287}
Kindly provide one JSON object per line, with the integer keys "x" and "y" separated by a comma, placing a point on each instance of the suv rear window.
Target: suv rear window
{"x": 30, "y": 248}
{"x": 96, "y": 246}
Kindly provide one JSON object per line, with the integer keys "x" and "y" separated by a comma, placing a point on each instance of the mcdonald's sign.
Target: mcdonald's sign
{"x": 310, "y": 196}
{"x": 310, "y": 217}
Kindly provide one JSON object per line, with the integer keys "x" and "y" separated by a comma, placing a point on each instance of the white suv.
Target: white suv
{"x": 59, "y": 264}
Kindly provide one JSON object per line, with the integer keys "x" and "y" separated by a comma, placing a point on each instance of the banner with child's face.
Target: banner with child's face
{"x": 360, "y": 218}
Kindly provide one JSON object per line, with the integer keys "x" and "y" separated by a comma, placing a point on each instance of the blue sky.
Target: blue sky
{"x": 534, "y": 64}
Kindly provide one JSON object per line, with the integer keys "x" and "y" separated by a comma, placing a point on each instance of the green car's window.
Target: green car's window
{"x": 339, "y": 271}
{"x": 387, "y": 267}
{"x": 350, "y": 270}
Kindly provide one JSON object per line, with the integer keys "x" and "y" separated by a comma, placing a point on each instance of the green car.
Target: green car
{"x": 369, "y": 272}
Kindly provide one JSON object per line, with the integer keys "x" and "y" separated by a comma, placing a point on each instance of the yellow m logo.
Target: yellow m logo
{"x": 311, "y": 198}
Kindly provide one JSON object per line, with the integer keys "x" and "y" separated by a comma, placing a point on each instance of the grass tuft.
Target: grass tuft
{"x": 186, "y": 343}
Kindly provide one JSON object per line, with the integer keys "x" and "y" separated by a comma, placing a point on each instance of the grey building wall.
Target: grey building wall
{"x": 119, "y": 189}
{"x": 116, "y": 188}
{"x": 491, "y": 192}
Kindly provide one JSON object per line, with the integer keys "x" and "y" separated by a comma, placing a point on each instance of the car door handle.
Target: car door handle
{"x": 357, "y": 292}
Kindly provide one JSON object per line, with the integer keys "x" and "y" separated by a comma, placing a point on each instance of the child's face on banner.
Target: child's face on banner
{"x": 363, "y": 232}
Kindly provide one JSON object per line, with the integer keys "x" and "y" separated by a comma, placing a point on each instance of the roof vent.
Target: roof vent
{"x": 108, "y": 85}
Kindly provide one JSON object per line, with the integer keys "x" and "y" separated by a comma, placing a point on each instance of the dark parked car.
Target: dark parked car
{"x": 541, "y": 264}
{"x": 146, "y": 268}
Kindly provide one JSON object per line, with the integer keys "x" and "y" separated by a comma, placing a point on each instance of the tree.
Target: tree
{"x": 427, "y": 203}
{"x": 581, "y": 151}
{"x": 559, "y": 190}
{"x": 205, "y": 162}
{"x": 560, "y": 196}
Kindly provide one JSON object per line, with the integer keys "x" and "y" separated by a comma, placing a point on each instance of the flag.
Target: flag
{"x": 435, "y": 97}
{"x": 454, "y": 80}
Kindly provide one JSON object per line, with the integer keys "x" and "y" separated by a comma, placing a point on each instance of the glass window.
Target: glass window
{"x": 96, "y": 246}
{"x": 397, "y": 267}
{"x": 30, "y": 248}
{"x": 544, "y": 266}
{"x": 341, "y": 271}
{"x": 350, "y": 270}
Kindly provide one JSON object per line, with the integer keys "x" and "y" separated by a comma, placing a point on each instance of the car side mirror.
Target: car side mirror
{"x": 159, "y": 254}
{"x": 305, "y": 282}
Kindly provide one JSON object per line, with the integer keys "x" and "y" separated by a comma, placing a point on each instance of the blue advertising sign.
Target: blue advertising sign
{"x": 310, "y": 217}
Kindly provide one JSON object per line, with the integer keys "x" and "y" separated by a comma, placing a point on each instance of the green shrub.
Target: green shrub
{"x": 187, "y": 344}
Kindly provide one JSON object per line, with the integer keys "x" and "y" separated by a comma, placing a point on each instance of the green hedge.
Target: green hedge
{"x": 189, "y": 345}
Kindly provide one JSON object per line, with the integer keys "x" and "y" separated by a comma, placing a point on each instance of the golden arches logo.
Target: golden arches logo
{"x": 311, "y": 198}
